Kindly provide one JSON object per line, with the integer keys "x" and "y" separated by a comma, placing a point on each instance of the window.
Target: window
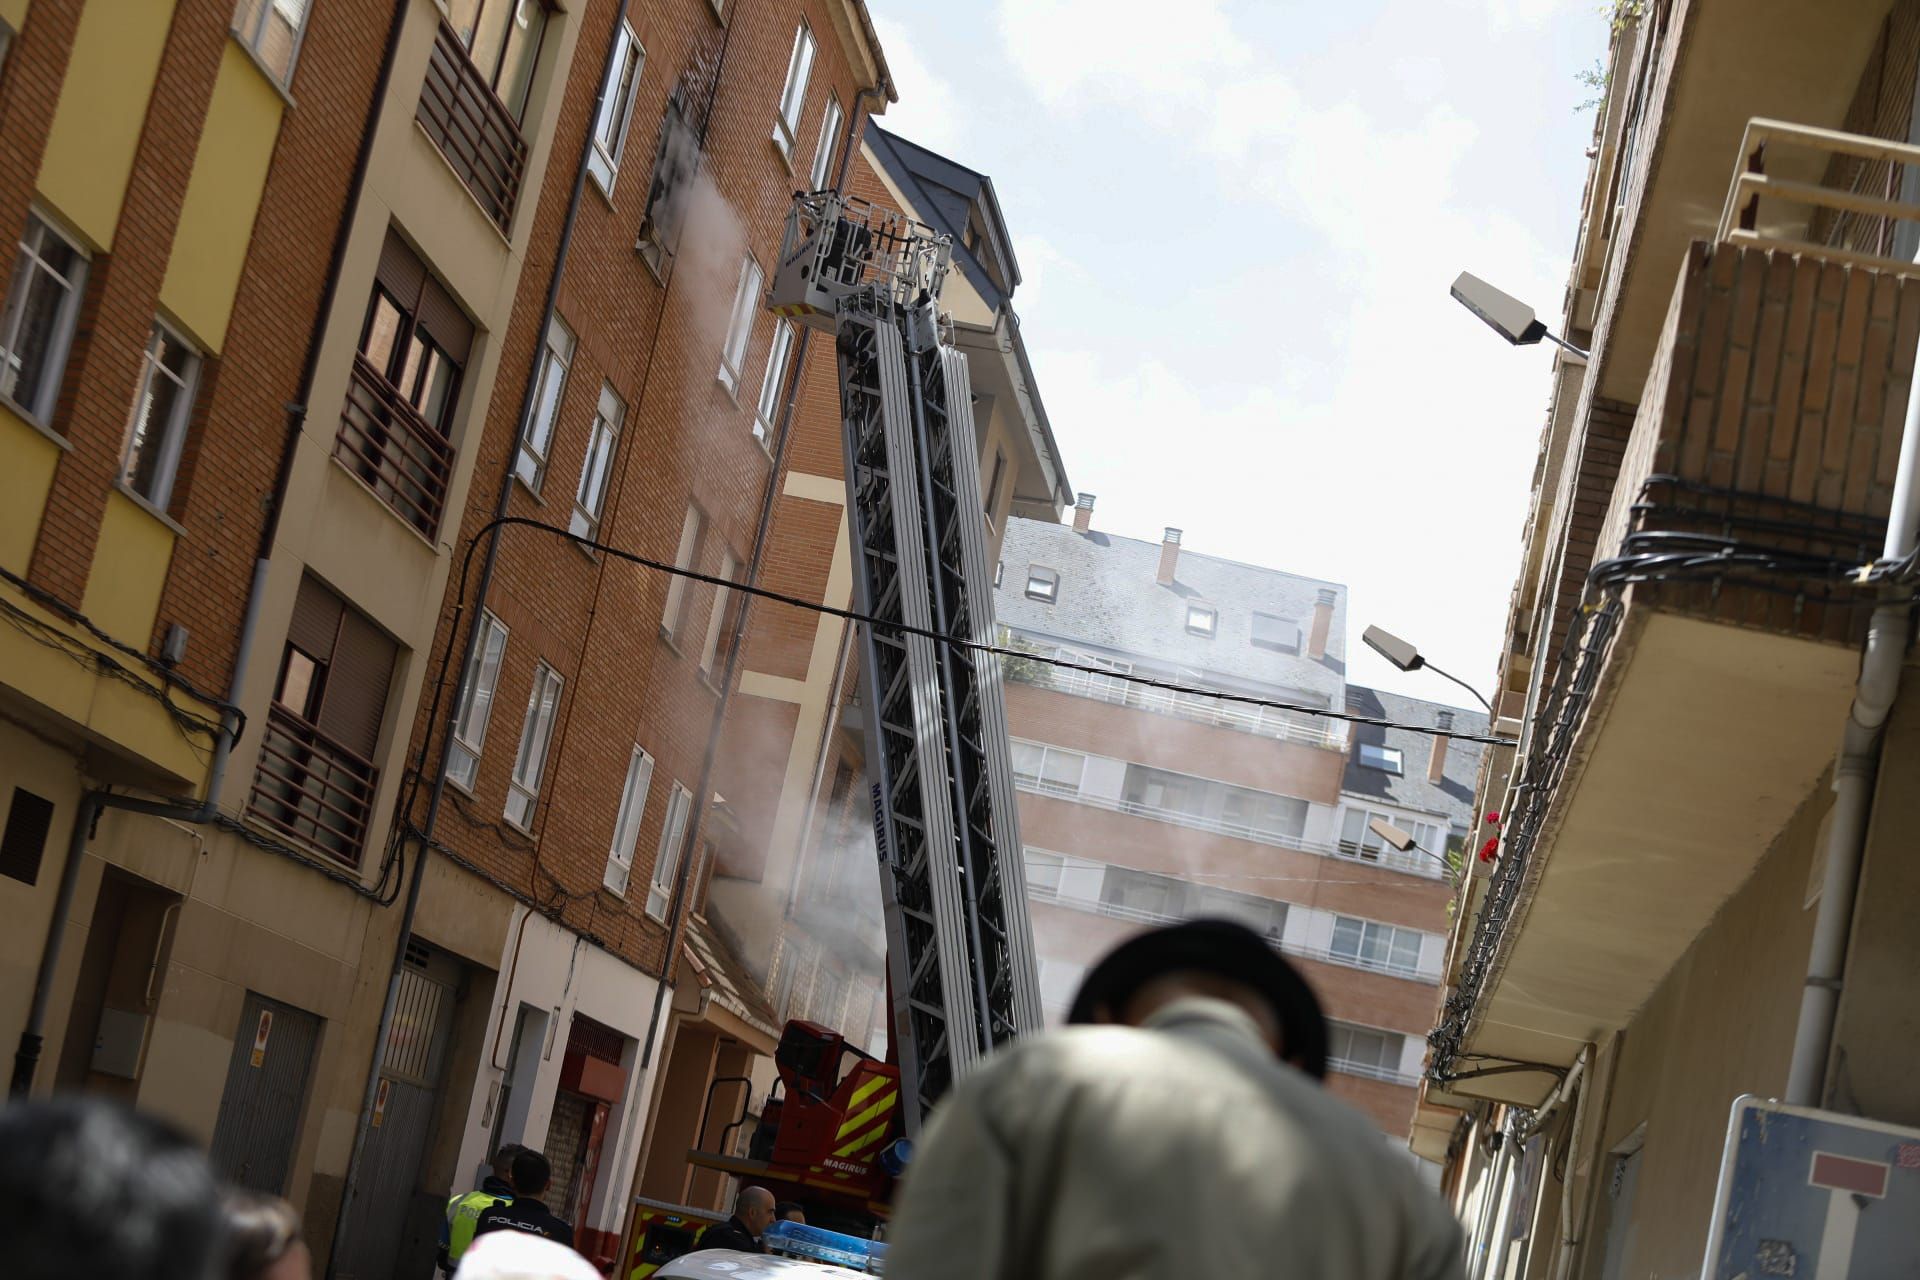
{"x": 799, "y": 68}
{"x": 1358, "y": 840}
{"x": 536, "y": 731}
{"x": 1386, "y": 759}
{"x": 746, "y": 294}
{"x": 993, "y": 485}
{"x": 626, "y": 827}
{"x": 1043, "y": 584}
{"x": 476, "y": 704}
{"x": 774, "y": 383}
{"x": 161, "y": 411}
{"x": 42, "y": 301}
{"x": 673, "y": 831}
{"x": 1202, "y": 619}
{"x": 29, "y": 820}
{"x": 502, "y": 40}
{"x": 591, "y": 497}
{"x": 720, "y": 621}
{"x": 1276, "y": 633}
{"x": 315, "y": 779}
{"x": 1049, "y": 768}
{"x": 823, "y": 150}
{"x": 693, "y": 532}
{"x": 1370, "y": 1052}
{"x": 1376, "y": 946}
{"x": 999, "y": 571}
{"x": 1043, "y": 873}
{"x": 616, "y": 109}
{"x": 531, "y": 465}
{"x": 271, "y": 30}
{"x": 1216, "y": 806}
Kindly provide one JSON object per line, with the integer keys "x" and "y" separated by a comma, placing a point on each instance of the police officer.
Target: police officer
{"x": 525, "y": 1212}
{"x": 463, "y": 1211}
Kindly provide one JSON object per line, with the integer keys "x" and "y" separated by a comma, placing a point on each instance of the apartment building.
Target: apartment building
{"x": 1142, "y": 805}
{"x": 1705, "y": 881}
{"x": 796, "y": 895}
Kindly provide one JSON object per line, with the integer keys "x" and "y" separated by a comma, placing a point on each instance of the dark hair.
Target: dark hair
{"x": 93, "y": 1188}
{"x": 503, "y": 1159}
{"x": 785, "y": 1207}
{"x": 531, "y": 1172}
{"x": 261, "y": 1230}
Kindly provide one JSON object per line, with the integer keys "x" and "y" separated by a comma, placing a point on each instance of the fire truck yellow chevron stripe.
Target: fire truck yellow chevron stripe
{"x": 862, "y": 1142}
{"x": 855, "y": 1123}
{"x": 864, "y": 1092}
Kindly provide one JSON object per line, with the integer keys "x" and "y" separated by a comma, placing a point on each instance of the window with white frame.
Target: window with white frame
{"x": 1049, "y": 768}
{"x": 746, "y": 298}
{"x": 476, "y": 703}
{"x": 536, "y": 731}
{"x": 774, "y": 383}
{"x": 531, "y": 465}
{"x": 1363, "y": 1050}
{"x": 799, "y": 68}
{"x": 272, "y": 30}
{"x": 1043, "y": 584}
{"x": 721, "y": 619}
{"x": 823, "y": 150}
{"x": 999, "y": 475}
{"x": 590, "y": 499}
{"x": 673, "y": 832}
{"x": 43, "y": 300}
{"x": 626, "y": 827}
{"x": 1044, "y": 870}
{"x": 693, "y": 531}
{"x": 616, "y": 109}
{"x": 1202, "y": 619}
{"x": 1374, "y": 755}
{"x": 169, "y": 371}
{"x": 1376, "y": 946}
{"x": 1270, "y": 631}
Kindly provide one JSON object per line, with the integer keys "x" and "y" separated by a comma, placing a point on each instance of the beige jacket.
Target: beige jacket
{"x": 1182, "y": 1149}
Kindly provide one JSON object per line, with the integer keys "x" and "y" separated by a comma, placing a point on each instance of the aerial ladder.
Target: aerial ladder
{"x": 962, "y": 977}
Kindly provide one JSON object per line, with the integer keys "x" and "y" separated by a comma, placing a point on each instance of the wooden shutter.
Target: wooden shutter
{"x": 356, "y": 694}
{"x": 316, "y": 620}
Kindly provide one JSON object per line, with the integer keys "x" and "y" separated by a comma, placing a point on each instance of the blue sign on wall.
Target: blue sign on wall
{"x": 1814, "y": 1195}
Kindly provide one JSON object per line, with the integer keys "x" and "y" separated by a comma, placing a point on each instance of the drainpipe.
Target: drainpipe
{"x": 26, "y": 1058}
{"x": 1853, "y": 779}
{"x": 417, "y": 881}
{"x": 1563, "y": 1257}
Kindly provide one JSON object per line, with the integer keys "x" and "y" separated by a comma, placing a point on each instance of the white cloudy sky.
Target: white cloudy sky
{"x": 1237, "y": 226}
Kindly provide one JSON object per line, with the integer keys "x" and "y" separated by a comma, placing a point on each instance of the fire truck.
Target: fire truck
{"x": 961, "y": 974}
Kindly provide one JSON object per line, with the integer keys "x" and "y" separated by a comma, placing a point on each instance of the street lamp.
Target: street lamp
{"x": 1505, "y": 314}
{"x": 1407, "y": 658}
{"x": 1402, "y": 841}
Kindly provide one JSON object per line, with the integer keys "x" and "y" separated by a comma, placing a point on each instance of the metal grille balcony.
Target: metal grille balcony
{"x": 472, "y": 127}
{"x": 400, "y": 455}
{"x": 313, "y": 789}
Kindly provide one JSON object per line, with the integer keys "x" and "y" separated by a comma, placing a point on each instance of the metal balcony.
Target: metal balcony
{"x": 401, "y": 456}
{"x": 311, "y": 788}
{"x": 473, "y": 129}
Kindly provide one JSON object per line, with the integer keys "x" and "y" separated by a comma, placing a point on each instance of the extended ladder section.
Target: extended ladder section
{"x": 959, "y": 940}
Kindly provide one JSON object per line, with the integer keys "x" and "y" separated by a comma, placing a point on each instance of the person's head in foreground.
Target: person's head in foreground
{"x": 515, "y": 1255}
{"x": 755, "y": 1209}
{"x": 788, "y": 1211}
{"x": 92, "y": 1188}
{"x": 263, "y": 1238}
{"x": 1216, "y": 959}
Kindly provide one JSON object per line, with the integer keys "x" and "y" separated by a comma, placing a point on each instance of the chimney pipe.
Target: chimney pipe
{"x": 1322, "y": 623}
{"x": 1437, "y": 762}
{"x": 1083, "y": 513}
{"x": 1169, "y": 556}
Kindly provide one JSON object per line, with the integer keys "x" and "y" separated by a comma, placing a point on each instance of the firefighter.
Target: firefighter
{"x": 463, "y": 1211}
{"x": 1188, "y": 1135}
{"x": 752, "y": 1215}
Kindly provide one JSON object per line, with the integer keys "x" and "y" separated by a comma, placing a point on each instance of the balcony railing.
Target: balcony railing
{"x": 313, "y": 789}
{"x": 1845, "y": 211}
{"x": 1266, "y": 722}
{"x": 472, "y": 127}
{"x": 386, "y": 442}
{"x": 1412, "y": 864}
{"x": 1139, "y": 915}
{"x": 1367, "y": 1071}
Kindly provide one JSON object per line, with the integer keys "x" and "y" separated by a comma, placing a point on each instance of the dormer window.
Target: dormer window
{"x": 1385, "y": 759}
{"x": 1043, "y": 584}
{"x": 1202, "y": 620}
{"x": 1273, "y": 632}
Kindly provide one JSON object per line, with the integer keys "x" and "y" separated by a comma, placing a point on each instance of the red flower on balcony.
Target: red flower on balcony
{"x": 1491, "y": 849}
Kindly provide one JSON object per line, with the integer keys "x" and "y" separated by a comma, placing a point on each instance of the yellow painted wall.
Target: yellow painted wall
{"x": 103, "y": 105}
{"x": 216, "y": 219}
{"x": 25, "y": 481}
{"x": 129, "y": 568}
